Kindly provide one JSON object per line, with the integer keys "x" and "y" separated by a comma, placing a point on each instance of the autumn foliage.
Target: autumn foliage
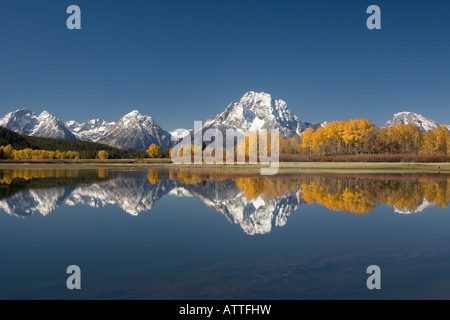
{"x": 7, "y": 152}
{"x": 360, "y": 136}
{"x": 358, "y": 140}
{"x": 154, "y": 151}
{"x": 102, "y": 154}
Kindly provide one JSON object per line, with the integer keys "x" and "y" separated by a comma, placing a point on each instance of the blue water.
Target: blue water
{"x": 181, "y": 249}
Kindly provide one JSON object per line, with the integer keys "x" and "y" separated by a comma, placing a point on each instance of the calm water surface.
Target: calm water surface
{"x": 182, "y": 234}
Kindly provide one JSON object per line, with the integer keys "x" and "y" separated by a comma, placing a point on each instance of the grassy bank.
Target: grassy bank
{"x": 284, "y": 167}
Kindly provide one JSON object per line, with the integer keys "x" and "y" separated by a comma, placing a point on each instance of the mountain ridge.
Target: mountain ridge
{"x": 136, "y": 131}
{"x": 132, "y": 131}
{"x": 255, "y": 111}
{"x": 24, "y": 121}
{"x": 406, "y": 117}
{"x": 87, "y": 149}
{"x": 91, "y": 130}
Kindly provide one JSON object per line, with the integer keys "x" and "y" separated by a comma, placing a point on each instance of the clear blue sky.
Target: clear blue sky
{"x": 181, "y": 61}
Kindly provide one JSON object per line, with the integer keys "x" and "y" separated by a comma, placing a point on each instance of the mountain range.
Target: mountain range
{"x": 255, "y": 111}
{"x": 26, "y": 122}
{"x": 410, "y": 117}
{"x": 132, "y": 131}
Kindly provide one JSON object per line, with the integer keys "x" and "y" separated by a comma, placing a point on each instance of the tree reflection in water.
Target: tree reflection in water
{"x": 223, "y": 192}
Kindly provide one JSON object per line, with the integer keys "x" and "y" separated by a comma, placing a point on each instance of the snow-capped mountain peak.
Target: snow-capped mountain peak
{"x": 91, "y": 130}
{"x": 51, "y": 127}
{"x": 72, "y": 124}
{"x": 22, "y": 121}
{"x": 46, "y": 115}
{"x": 135, "y": 114}
{"x": 136, "y": 118}
{"x": 255, "y": 100}
{"x": 136, "y": 131}
{"x": 132, "y": 131}
{"x": 256, "y": 111}
{"x": 26, "y": 122}
{"x": 179, "y": 134}
{"x": 406, "y": 117}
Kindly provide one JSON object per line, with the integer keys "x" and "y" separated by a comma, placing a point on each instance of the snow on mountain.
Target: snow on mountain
{"x": 132, "y": 131}
{"x": 257, "y": 111}
{"x": 179, "y": 134}
{"x": 51, "y": 127}
{"x": 22, "y": 121}
{"x": 26, "y": 122}
{"x": 136, "y": 131}
{"x": 410, "y": 117}
{"x": 91, "y": 130}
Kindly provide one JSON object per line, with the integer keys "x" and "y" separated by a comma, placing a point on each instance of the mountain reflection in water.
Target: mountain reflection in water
{"x": 257, "y": 204}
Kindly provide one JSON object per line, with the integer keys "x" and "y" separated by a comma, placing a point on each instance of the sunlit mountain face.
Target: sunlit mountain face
{"x": 257, "y": 204}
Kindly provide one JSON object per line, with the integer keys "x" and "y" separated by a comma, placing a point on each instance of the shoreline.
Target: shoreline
{"x": 284, "y": 167}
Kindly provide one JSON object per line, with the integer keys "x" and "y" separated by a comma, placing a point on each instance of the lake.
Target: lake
{"x": 186, "y": 234}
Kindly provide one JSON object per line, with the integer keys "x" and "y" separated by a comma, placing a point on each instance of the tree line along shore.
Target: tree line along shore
{"x": 357, "y": 140}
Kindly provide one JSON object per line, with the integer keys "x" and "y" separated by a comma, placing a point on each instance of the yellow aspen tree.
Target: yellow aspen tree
{"x": 307, "y": 141}
{"x": 153, "y": 151}
{"x": 102, "y": 154}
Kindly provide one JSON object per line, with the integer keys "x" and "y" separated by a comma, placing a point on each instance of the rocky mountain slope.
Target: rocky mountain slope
{"x": 45, "y": 124}
{"x": 410, "y": 117}
{"x": 91, "y": 130}
{"x": 132, "y": 131}
{"x": 136, "y": 131}
{"x": 257, "y": 111}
